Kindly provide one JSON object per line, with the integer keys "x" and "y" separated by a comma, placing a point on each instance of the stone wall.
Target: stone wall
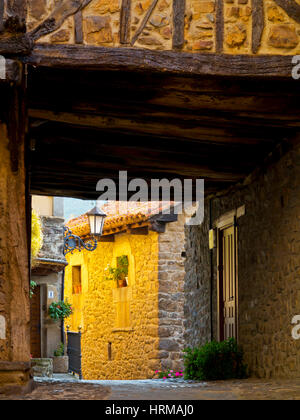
{"x": 53, "y": 238}
{"x": 268, "y": 268}
{"x": 277, "y": 33}
{"x": 171, "y": 274}
{"x": 47, "y": 272}
{"x": 197, "y": 284}
{"x": 108, "y": 351}
{"x": 154, "y": 339}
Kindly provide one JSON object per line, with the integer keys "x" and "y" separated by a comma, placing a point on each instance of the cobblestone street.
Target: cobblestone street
{"x": 65, "y": 388}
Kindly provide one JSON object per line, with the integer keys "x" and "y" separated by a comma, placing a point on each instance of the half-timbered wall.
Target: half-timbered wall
{"x": 201, "y": 26}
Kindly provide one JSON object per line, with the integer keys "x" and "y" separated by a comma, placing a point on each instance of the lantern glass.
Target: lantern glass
{"x": 96, "y": 220}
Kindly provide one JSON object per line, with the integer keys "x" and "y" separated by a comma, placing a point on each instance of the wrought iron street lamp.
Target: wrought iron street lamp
{"x": 74, "y": 242}
{"x": 96, "y": 220}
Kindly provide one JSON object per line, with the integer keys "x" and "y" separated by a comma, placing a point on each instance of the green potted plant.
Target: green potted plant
{"x": 60, "y": 361}
{"x": 60, "y": 310}
{"x": 118, "y": 274}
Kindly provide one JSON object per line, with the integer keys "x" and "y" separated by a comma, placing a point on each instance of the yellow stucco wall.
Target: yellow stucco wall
{"x": 134, "y": 350}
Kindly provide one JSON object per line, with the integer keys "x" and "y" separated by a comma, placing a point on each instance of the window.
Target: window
{"x": 122, "y": 298}
{"x": 76, "y": 280}
{"x": 123, "y": 295}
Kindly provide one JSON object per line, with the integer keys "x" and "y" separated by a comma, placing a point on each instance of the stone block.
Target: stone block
{"x": 98, "y": 29}
{"x": 169, "y": 345}
{"x": 42, "y": 368}
{"x": 283, "y": 36}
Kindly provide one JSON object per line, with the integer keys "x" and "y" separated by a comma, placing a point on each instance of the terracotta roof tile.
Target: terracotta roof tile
{"x": 119, "y": 216}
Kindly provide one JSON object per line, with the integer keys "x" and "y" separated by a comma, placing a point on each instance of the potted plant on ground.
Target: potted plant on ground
{"x": 60, "y": 361}
{"x": 118, "y": 274}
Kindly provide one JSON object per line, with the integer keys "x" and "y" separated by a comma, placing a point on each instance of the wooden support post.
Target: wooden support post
{"x": 291, "y": 7}
{"x": 13, "y": 37}
{"x": 1, "y": 16}
{"x": 14, "y": 264}
{"x": 258, "y": 21}
{"x": 125, "y": 22}
{"x": 16, "y": 11}
{"x": 219, "y": 26}
{"x": 78, "y": 27}
{"x": 178, "y": 24}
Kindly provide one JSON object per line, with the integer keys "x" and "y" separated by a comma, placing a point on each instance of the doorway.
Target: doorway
{"x": 35, "y": 323}
{"x": 228, "y": 286}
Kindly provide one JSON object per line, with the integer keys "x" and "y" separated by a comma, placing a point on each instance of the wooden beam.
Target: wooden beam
{"x": 1, "y": 16}
{"x": 144, "y": 22}
{"x": 157, "y": 227}
{"x": 219, "y": 26}
{"x": 17, "y": 8}
{"x": 141, "y": 231}
{"x": 178, "y": 23}
{"x": 291, "y": 7}
{"x": 61, "y": 12}
{"x": 125, "y": 22}
{"x": 102, "y": 58}
{"x": 214, "y": 102}
{"x": 16, "y": 12}
{"x": 15, "y": 44}
{"x": 187, "y": 129}
{"x": 107, "y": 238}
{"x": 258, "y": 23}
{"x": 78, "y": 27}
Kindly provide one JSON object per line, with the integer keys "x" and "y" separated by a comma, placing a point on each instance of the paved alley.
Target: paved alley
{"x": 64, "y": 387}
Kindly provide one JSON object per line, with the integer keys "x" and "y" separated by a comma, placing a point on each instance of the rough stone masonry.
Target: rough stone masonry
{"x": 268, "y": 268}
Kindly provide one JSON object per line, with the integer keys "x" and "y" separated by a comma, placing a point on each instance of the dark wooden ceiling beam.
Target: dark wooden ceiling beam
{"x": 218, "y": 108}
{"x": 41, "y": 185}
{"x": 144, "y": 168}
{"x": 184, "y": 128}
{"x": 51, "y": 135}
{"x": 102, "y": 58}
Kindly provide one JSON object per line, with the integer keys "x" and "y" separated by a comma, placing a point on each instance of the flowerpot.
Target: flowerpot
{"x": 122, "y": 283}
{"x": 60, "y": 364}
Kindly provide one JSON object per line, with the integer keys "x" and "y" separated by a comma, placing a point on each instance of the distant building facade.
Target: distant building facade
{"x": 47, "y": 272}
{"x": 129, "y": 332}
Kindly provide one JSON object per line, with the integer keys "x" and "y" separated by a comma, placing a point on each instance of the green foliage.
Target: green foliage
{"x": 60, "y": 310}
{"x": 60, "y": 350}
{"x": 33, "y": 285}
{"x": 119, "y": 272}
{"x": 215, "y": 361}
{"x": 36, "y": 236}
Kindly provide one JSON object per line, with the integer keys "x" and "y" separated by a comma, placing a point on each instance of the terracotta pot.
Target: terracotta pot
{"x": 122, "y": 283}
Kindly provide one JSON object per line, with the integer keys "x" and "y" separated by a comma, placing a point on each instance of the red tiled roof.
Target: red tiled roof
{"x": 120, "y": 215}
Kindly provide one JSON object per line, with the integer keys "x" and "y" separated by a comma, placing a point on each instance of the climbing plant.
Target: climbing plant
{"x": 36, "y": 236}
{"x": 36, "y": 245}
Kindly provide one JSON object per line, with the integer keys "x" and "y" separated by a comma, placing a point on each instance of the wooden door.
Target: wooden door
{"x": 228, "y": 283}
{"x": 35, "y": 323}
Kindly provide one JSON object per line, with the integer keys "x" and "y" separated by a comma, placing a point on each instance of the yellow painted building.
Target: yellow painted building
{"x": 122, "y": 334}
